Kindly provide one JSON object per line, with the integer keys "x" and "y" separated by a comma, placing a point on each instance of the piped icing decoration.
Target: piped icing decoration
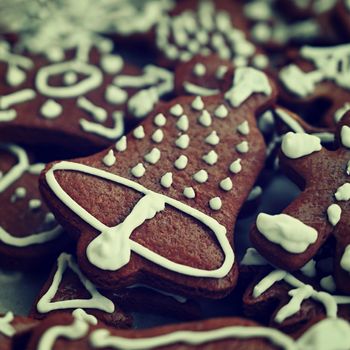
{"x": 121, "y": 145}
{"x": 176, "y": 110}
{"x": 109, "y": 159}
{"x": 345, "y": 259}
{"x": 226, "y": 184}
{"x": 215, "y": 203}
{"x": 51, "y": 109}
{"x": 157, "y": 136}
{"x": 98, "y": 113}
{"x": 339, "y": 113}
{"x": 189, "y": 192}
{"x": 112, "y": 64}
{"x": 242, "y": 147}
{"x": 19, "y": 193}
{"x": 253, "y": 258}
{"x": 343, "y": 192}
{"x": 153, "y": 156}
{"x": 205, "y": 119}
{"x": 138, "y": 170}
{"x": 197, "y": 104}
{"x": 212, "y": 139}
{"x": 211, "y": 157}
{"x": 167, "y": 180}
{"x": 296, "y": 145}
{"x": 254, "y": 193}
{"x": 334, "y": 214}
{"x": 288, "y": 232}
{"x": 201, "y": 176}
{"x": 181, "y": 162}
{"x": 34, "y": 204}
{"x": 246, "y": 82}
{"x": 345, "y": 136}
{"x": 199, "y": 69}
{"x": 96, "y": 301}
{"x": 182, "y": 124}
{"x": 243, "y": 128}
{"x": 5, "y": 325}
{"x": 235, "y": 166}
{"x": 220, "y": 72}
{"x": 197, "y": 90}
{"x": 221, "y": 112}
{"x": 309, "y": 269}
{"x": 159, "y": 120}
{"x": 139, "y": 132}
{"x": 182, "y": 141}
{"x": 328, "y": 284}
{"x": 112, "y": 248}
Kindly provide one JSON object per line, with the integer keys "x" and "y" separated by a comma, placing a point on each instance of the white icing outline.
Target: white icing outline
{"x": 5, "y": 325}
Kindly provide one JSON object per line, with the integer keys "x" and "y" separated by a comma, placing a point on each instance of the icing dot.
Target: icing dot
{"x": 243, "y": 147}
{"x": 212, "y": 139}
{"x": 205, "y": 119}
{"x": 211, "y": 157}
{"x": 334, "y": 214}
{"x": 226, "y": 184}
{"x": 70, "y": 78}
{"x": 244, "y": 128}
{"x": 221, "y": 112}
{"x": 328, "y": 284}
{"x": 176, "y": 110}
{"x": 189, "y": 192}
{"x": 345, "y": 259}
{"x": 260, "y": 61}
{"x": 121, "y": 145}
{"x": 199, "y": 69}
{"x": 181, "y": 162}
{"x": 236, "y": 166}
{"x": 153, "y": 156}
{"x": 51, "y": 109}
{"x": 309, "y": 269}
{"x": 220, "y": 72}
{"x": 158, "y": 136}
{"x": 182, "y": 141}
{"x": 159, "y": 119}
{"x": 34, "y": 204}
{"x": 215, "y": 203}
{"x": 19, "y": 193}
{"x": 112, "y": 64}
{"x": 254, "y": 193}
{"x": 183, "y": 124}
{"x": 345, "y": 136}
{"x": 15, "y": 76}
{"x": 115, "y": 95}
{"x": 49, "y": 218}
{"x": 200, "y": 176}
{"x": 109, "y": 159}
{"x": 138, "y": 170}
{"x": 343, "y": 192}
{"x": 198, "y": 104}
{"x": 296, "y": 145}
{"x": 166, "y": 180}
{"x": 139, "y": 132}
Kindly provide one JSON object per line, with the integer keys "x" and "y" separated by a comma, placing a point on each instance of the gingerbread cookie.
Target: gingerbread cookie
{"x": 77, "y": 98}
{"x": 315, "y": 83}
{"x": 29, "y": 233}
{"x": 289, "y": 240}
{"x": 169, "y": 185}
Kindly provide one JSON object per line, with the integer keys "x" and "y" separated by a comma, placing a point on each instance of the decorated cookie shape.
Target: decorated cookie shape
{"x": 290, "y": 302}
{"x": 78, "y": 99}
{"x": 68, "y": 289}
{"x": 80, "y": 331}
{"x": 205, "y": 27}
{"x": 174, "y": 184}
{"x": 15, "y": 331}
{"x": 29, "y": 233}
{"x": 289, "y": 240}
{"x": 315, "y": 83}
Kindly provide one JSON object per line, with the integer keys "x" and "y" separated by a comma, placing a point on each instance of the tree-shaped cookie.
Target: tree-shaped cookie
{"x": 289, "y": 240}
{"x": 160, "y": 206}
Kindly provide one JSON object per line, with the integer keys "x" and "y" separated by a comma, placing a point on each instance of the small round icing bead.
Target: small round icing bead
{"x": 343, "y": 192}
{"x": 34, "y": 204}
{"x": 297, "y": 145}
{"x": 243, "y": 128}
{"x": 138, "y": 170}
{"x": 221, "y": 111}
{"x": 181, "y": 162}
{"x": 159, "y": 119}
{"x": 345, "y": 136}
{"x": 121, "y": 145}
{"x": 242, "y": 147}
{"x": 215, "y": 203}
{"x": 51, "y": 109}
{"x": 200, "y": 176}
{"x": 158, "y": 136}
{"x": 212, "y": 139}
{"x": 189, "y": 192}
{"x": 112, "y": 64}
{"x": 235, "y": 166}
{"x": 167, "y": 180}
{"x": 334, "y": 214}
{"x": 70, "y": 78}
{"x": 115, "y": 95}
{"x": 345, "y": 259}
{"x": 183, "y": 124}
{"x": 139, "y": 132}
{"x": 205, "y": 118}
{"x": 226, "y": 184}
{"x": 211, "y": 157}
{"x": 254, "y": 193}
{"x": 220, "y": 72}
{"x": 199, "y": 70}
{"x": 176, "y": 110}
{"x": 309, "y": 269}
{"x": 182, "y": 141}
{"x": 109, "y": 159}
{"x": 281, "y": 228}
{"x": 328, "y": 284}
{"x": 153, "y": 156}
{"x": 197, "y": 104}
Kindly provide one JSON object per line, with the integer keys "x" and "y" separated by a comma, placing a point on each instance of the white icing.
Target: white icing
{"x": 339, "y": 113}
{"x": 343, "y": 192}
{"x": 51, "y": 109}
{"x": 167, "y": 180}
{"x": 220, "y": 72}
{"x": 181, "y": 162}
{"x": 309, "y": 269}
{"x": 243, "y": 128}
{"x": 199, "y": 69}
{"x": 111, "y": 249}
{"x": 157, "y": 136}
{"x": 197, "y": 104}
{"x": 96, "y": 301}
{"x": 189, "y": 192}
{"x": 182, "y": 141}
{"x": 235, "y": 166}
{"x": 8, "y": 115}
{"x": 345, "y": 259}
{"x": 334, "y": 214}
{"x": 288, "y": 232}
{"x": 159, "y": 120}
{"x": 194, "y": 89}
{"x": 5, "y": 325}
{"x": 328, "y": 284}
{"x": 109, "y": 159}
{"x": 297, "y": 145}
{"x": 153, "y": 156}
{"x": 288, "y": 120}
{"x": 121, "y": 145}
{"x": 183, "y": 123}
{"x": 254, "y": 193}
{"x": 242, "y": 147}
{"x": 176, "y": 110}
{"x": 205, "y": 119}
{"x": 252, "y": 257}
{"x": 226, "y": 184}
{"x": 139, "y": 132}
{"x": 20, "y": 193}
{"x": 215, "y": 203}
{"x": 99, "y": 114}
{"x": 16, "y": 97}
{"x": 345, "y": 136}
{"x": 201, "y": 176}
{"x": 212, "y": 139}
{"x": 138, "y": 170}
{"x": 112, "y": 64}
{"x": 115, "y": 95}
{"x": 221, "y": 111}
{"x": 34, "y": 204}
{"x": 211, "y": 157}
